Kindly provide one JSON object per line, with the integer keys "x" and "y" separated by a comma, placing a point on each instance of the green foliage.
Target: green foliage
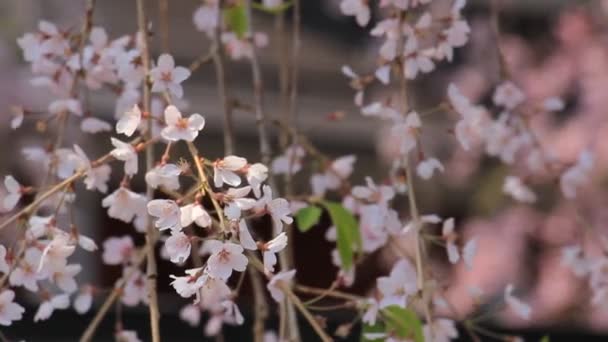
{"x": 308, "y": 217}
{"x": 236, "y": 18}
{"x": 367, "y": 329}
{"x": 403, "y": 323}
{"x": 348, "y": 234}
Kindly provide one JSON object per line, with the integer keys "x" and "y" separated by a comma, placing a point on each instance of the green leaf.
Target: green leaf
{"x": 236, "y": 18}
{"x": 403, "y": 323}
{"x": 349, "y": 237}
{"x": 272, "y": 10}
{"x": 367, "y": 329}
{"x": 545, "y": 338}
{"x": 308, "y": 217}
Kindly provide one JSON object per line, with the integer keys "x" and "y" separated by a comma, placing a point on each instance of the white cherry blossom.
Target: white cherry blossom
{"x": 225, "y": 257}
{"x": 399, "y": 285}
{"x": 224, "y": 171}
{"x": 277, "y": 282}
{"x": 508, "y": 95}
{"x": 46, "y": 308}
{"x": 9, "y": 310}
{"x": 14, "y": 190}
{"x": 94, "y": 125}
{"x": 125, "y": 152}
{"x": 521, "y": 309}
{"x": 124, "y": 205}
{"x": 357, "y": 8}
{"x": 178, "y": 247}
{"x": 118, "y": 250}
{"x": 245, "y": 238}
{"x": 167, "y": 212}
{"x": 129, "y": 121}
{"x": 166, "y": 176}
{"x": 180, "y": 128}
{"x": 167, "y": 77}
{"x": 271, "y": 248}
{"x": 514, "y": 187}
{"x": 278, "y": 208}
{"x": 427, "y": 167}
{"x": 194, "y": 212}
{"x": 256, "y": 174}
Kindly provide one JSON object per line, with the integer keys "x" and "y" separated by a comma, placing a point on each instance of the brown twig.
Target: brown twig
{"x": 151, "y": 233}
{"x": 113, "y": 296}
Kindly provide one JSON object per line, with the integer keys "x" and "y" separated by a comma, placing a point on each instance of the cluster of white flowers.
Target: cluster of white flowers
{"x": 208, "y": 208}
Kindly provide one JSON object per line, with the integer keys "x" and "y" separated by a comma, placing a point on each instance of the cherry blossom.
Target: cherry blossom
{"x": 358, "y": 9}
{"x": 225, "y": 257}
{"x": 335, "y": 174}
{"x": 471, "y": 126}
{"x": 426, "y": 168}
{"x": 46, "y": 308}
{"x": 9, "y": 310}
{"x": 245, "y": 238}
{"x": 514, "y": 187}
{"x": 277, "y": 282}
{"x": 191, "y": 314}
{"x": 167, "y": 77}
{"x": 271, "y": 248}
{"x": 256, "y": 174}
{"x": 399, "y": 285}
{"x": 180, "y": 128}
{"x": 508, "y": 95}
{"x": 129, "y": 122}
{"x": 125, "y": 152}
{"x": 123, "y": 204}
{"x": 83, "y": 301}
{"x": 236, "y": 202}
{"x": 64, "y": 278}
{"x": 194, "y": 213}
{"x": 4, "y": 264}
{"x": 576, "y": 175}
{"x": 127, "y": 336}
{"x": 118, "y": 251}
{"x": 178, "y": 247}
{"x": 416, "y": 60}
{"x": 278, "y": 208}
{"x": 167, "y": 212}
{"x": 27, "y": 274}
{"x": 206, "y": 17}
{"x": 94, "y": 125}
{"x": 96, "y": 177}
{"x": 187, "y": 286}
{"x": 288, "y": 162}
{"x": 166, "y": 176}
{"x": 224, "y": 171}
{"x": 440, "y": 330}
{"x": 14, "y": 193}
{"x": 518, "y": 307}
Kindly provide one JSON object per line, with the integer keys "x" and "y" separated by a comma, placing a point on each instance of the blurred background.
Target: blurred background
{"x": 552, "y": 48}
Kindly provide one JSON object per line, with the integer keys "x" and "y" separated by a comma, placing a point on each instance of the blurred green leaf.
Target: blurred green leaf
{"x": 308, "y": 217}
{"x": 370, "y": 329}
{"x": 403, "y": 322}
{"x": 545, "y": 338}
{"x": 236, "y": 18}
{"x": 349, "y": 237}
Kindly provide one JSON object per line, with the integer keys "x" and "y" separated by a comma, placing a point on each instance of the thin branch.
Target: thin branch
{"x": 163, "y": 11}
{"x": 113, "y": 296}
{"x": 260, "y": 304}
{"x": 311, "y": 320}
{"x": 151, "y": 233}
{"x": 222, "y": 88}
